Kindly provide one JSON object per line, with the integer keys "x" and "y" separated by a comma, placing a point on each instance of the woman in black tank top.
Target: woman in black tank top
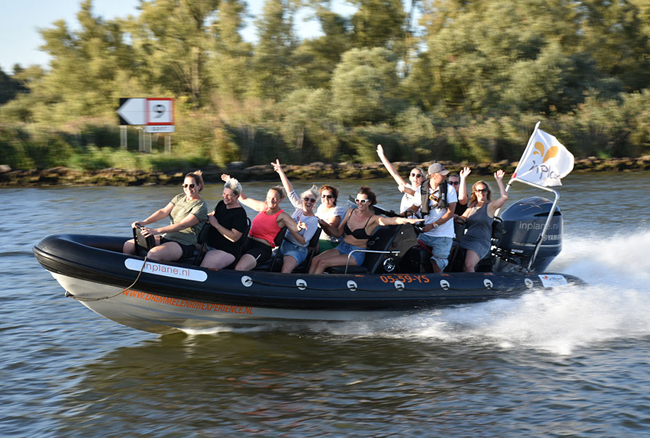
{"x": 358, "y": 225}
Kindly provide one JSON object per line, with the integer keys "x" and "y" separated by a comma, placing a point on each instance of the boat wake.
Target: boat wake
{"x": 613, "y": 306}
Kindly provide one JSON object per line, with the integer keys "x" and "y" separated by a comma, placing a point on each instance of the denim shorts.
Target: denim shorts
{"x": 440, "y": 248}
{"x": 292, "y": 250}
{"x": 345, "y": 249}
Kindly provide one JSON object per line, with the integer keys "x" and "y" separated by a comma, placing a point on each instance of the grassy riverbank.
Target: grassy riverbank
{"x": 62, "y": 176}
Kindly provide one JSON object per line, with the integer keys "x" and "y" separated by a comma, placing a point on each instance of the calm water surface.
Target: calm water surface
{"x": 568, "y": 362}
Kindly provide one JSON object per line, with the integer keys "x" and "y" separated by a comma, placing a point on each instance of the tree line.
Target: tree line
{"x": 459, "y": 80}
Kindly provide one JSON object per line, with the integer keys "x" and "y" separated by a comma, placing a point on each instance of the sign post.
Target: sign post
{"x": 150, "y": 115}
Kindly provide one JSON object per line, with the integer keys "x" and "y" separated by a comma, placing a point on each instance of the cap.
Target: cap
{"x": 437, "y": 168}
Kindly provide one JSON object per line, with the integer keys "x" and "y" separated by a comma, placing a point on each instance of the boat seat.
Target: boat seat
{"x": 201, "y": 245}
{"x": 456, "y": 255}
{"x": 312, "y": 248}
{"x": 486, "y": 263}
{"x": 384, "y": 251}
{"x": 273, "y": 265}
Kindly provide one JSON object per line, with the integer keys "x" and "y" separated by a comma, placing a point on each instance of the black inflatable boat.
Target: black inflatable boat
{"x": 165, "y": 297}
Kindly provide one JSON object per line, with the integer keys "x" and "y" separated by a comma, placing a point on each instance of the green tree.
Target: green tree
{"x": 273, "y": 57}
{"x": 84, "y": 64}
{"x": 315, "y": 59}
{"x": 231, "y": 61}
{"x": 505, "y": 55}
{"x": 365, "y": 86}
{"x": 379, "y": 23}
{"x": 307, "y": 127}
{"x": 613, "y": 34}
{"x": 172, "y": 38}
{"x": 9, "y": 87}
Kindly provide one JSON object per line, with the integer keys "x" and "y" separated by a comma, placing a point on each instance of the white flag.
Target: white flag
{"x": 545, "y": 161}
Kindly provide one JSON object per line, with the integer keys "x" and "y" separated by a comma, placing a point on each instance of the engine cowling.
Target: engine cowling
{"x": 522, "y": 225}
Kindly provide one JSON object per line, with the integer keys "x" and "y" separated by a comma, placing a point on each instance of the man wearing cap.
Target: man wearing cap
{"x": 437, "y": 202}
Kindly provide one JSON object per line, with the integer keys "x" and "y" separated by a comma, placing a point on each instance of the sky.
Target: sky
{"x": 21, "y": 19}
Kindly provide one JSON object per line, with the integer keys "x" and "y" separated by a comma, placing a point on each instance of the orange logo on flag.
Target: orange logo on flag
{"x": 546, "y": 155}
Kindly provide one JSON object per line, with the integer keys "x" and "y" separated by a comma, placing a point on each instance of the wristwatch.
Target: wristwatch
{"x": 434, "y": 225}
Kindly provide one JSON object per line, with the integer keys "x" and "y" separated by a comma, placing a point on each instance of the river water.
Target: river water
{"x": 572, "y": 361}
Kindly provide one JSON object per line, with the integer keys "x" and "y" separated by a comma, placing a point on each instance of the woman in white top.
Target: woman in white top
{"x": 294, "y": 249}
{"x": 328, "y": 213}
{"x": 409, "y": 189}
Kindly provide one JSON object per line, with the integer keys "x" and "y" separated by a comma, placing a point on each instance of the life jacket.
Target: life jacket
{"x": 424, "y": 193}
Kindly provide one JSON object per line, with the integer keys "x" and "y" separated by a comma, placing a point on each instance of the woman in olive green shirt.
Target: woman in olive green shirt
{"x": 187, "y": 212}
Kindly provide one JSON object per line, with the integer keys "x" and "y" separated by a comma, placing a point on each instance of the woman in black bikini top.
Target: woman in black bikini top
{"x": 355, "y": 241}
{"x": 359, "y": 233}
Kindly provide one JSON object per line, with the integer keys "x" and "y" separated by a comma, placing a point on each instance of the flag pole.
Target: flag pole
{"x": 528, "y": 146}
{"x": 540, "y": 239}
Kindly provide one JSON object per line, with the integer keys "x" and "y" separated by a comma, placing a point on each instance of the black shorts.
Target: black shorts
{"x": 188, "y": 250}
{"x": 260, "y": 251}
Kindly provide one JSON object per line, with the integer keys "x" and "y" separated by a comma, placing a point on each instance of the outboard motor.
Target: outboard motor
{"x": 522, "y": 224}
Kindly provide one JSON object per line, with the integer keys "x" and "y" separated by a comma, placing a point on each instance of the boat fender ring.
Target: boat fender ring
{"x": 529, "y": 283}
{"x": 488, "y": 283}
{"x": 247, "y": 281}
{"x": 302, "y": 284}
{"x": 352, "y": 285}
{"x": 444, "y": 284}
{"x": 399, "y": 285}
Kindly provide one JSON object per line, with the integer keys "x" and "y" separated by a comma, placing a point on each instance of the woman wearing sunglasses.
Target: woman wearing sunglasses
{"x": 358, "y": 225}
{"x": 416, "y": 178}
{"x": 187, "y": 213}
{"x": 294, "y": 247}
{"x": 478, "y": 218}
{"x": 331, "y": 213}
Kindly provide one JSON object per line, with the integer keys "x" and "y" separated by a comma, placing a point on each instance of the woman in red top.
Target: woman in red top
{"x": 265, "y": 227}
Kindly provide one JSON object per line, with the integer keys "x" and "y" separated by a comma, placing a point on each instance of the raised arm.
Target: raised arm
{"x": 248, "y": 202}
{"x": 462, "y": 190}
{"x": 498, "y": 203}
{"x": 297, "y": 203}
{"x": 389, "y": 166}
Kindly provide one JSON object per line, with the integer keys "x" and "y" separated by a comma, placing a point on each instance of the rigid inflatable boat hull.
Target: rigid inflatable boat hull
{"x": 163, "y": 297}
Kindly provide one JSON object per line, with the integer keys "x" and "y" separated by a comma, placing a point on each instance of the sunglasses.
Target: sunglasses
{"x": 416, "y": 175}
{"x": 454, "y": 183}
{"x": 308, "y": 199}
{"x": 481, "y": 190}
{"x": 327, "y": 196}
{"x": 191, "y": 186}
{"x": 361, "y": 201}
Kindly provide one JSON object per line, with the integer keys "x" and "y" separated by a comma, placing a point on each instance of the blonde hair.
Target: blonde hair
{"x": 312, "y": 191}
